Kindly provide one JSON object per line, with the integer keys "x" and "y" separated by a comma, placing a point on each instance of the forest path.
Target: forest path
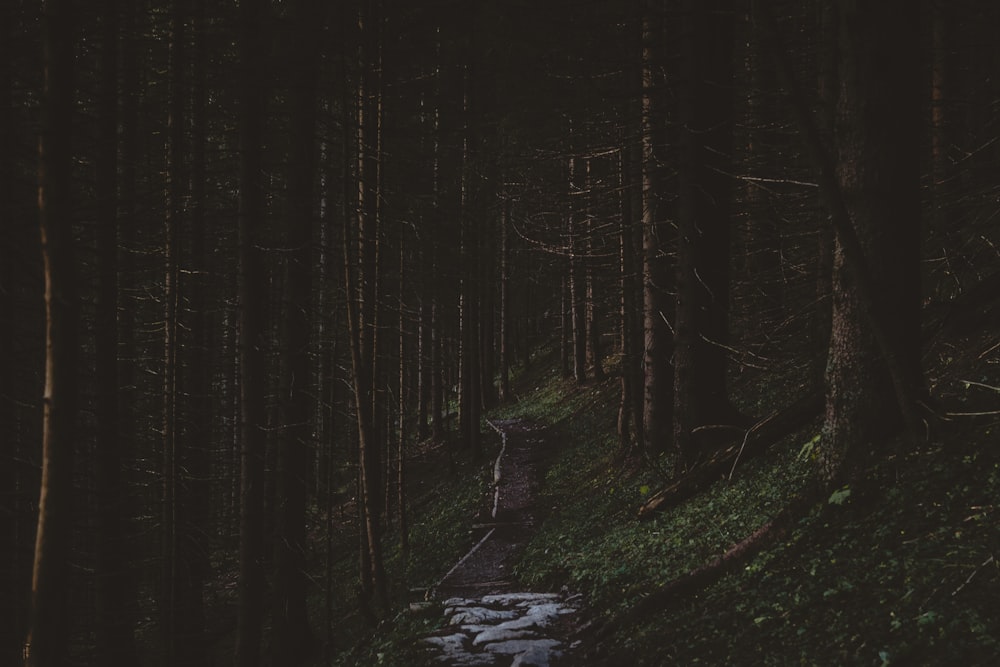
{"x": 488, "y": 621}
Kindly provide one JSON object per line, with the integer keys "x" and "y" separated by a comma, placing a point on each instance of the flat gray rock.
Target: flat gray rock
{"x": 480, "y": 616}
{"x": 518, "y": 646}
{"x": 510, "y": 599}
{"x": 536, "y": 656}
{"x": 446, "y": 643}
{"x": 502, "y": 634}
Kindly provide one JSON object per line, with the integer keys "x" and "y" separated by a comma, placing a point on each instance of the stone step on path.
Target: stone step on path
{"x": 508, "y": 629}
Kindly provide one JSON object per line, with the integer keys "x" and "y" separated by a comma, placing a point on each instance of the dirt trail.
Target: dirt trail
{"x": 489, "y": 622}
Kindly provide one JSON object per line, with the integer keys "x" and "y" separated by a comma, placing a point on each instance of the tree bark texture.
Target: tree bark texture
{"x": 878, "y": 169}
{"x": 656, "y": 281}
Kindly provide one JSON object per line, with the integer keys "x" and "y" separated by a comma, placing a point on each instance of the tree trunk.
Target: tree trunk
{"x": 505, "y": 343}
{"x": 172, "y": 613}
{"x": 827, "y": 88}
{"x": 401, "y": 417}
{"x": 701, "y": 327}
{"x": 115, "y": 620}
{"x": 252, "y": 360}
{"x": 49, "y": 634}
{"x": 595, "y": 354}
{"x": 12, "y": 582}
{"x": 577, "y": 282}
{"x": 292, "y": 635}
{"x": 361, "y": 254}
{"x": 878, "y": 129}
{"x": 945, "y": 137}
{"x": 658, "y": 346}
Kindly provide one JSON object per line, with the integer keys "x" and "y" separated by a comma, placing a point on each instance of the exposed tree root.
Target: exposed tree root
{"x": 752, "y": 444}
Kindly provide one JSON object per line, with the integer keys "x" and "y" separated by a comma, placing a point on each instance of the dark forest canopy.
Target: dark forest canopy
{"x": 256, "y": 255}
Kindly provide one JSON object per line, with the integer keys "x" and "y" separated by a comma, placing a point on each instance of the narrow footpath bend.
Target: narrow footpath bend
{"x": 488, "y": 621}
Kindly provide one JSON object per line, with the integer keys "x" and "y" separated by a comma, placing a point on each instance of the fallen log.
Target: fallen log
{"x": 754, "y": 442}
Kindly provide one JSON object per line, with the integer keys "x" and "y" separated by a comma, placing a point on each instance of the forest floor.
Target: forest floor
{"x": 897, "y": 567}
{"x": 489, "y": 619}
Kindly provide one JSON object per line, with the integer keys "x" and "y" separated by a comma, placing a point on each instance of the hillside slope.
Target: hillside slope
{"x": 897, "y": 567}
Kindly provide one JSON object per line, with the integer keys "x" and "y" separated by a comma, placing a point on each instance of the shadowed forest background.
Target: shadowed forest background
{"x": 267, "y": 264}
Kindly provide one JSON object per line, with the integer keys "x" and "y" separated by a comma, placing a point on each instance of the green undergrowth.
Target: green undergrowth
{"x": 897, "y": 568}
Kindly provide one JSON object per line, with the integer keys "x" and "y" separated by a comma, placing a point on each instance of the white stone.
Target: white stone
{"x": 517, "y": 646}
{"x": 447, "y": 642}
{"x": 466, "y": 660}
{"x": 458, "y": 602}
{"x": 543, "y": 614}
{"x": 536, "y": 656}
{"x": 502, "y": 634}
{"x": 509, "y": 599}
{"x": 480, "y": 616}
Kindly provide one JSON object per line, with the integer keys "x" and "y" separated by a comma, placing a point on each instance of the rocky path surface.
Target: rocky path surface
{"x": 487, "y": 620}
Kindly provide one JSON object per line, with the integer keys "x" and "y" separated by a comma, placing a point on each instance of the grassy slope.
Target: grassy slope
{"x": 896, "y": 570}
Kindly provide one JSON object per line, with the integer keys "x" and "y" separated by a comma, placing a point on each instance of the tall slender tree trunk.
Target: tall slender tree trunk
{"x": 629, "y": 408}
{"x": 470, "y": 363}
{"x": 252, "y": 361}
{"x": 703, "y": 253}
{"x": 49, "y": 632}
{"x": 172, "y": 614}
{"x": 657, "y": 313}
{"x": 361, "y": 254}
{"x": 401, "y": 416}
{"x": 197, "y": 395}
{"x": 945, "y": 135}
{"x": 131, "y": 63}
{"x": 505, "y": 343}
{"x": 11, "y": 576}
{"x": 115, "y": 622}
{"x": 827, "y": 83}
{"x": 292, "y": 635}
{"x": 577, "y": 281}
{"x": 565, "y": 327}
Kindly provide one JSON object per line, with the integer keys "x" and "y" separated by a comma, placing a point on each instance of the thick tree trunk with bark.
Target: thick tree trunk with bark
{"x": 49, "y": 634}
{"x": 878, "y": 130}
